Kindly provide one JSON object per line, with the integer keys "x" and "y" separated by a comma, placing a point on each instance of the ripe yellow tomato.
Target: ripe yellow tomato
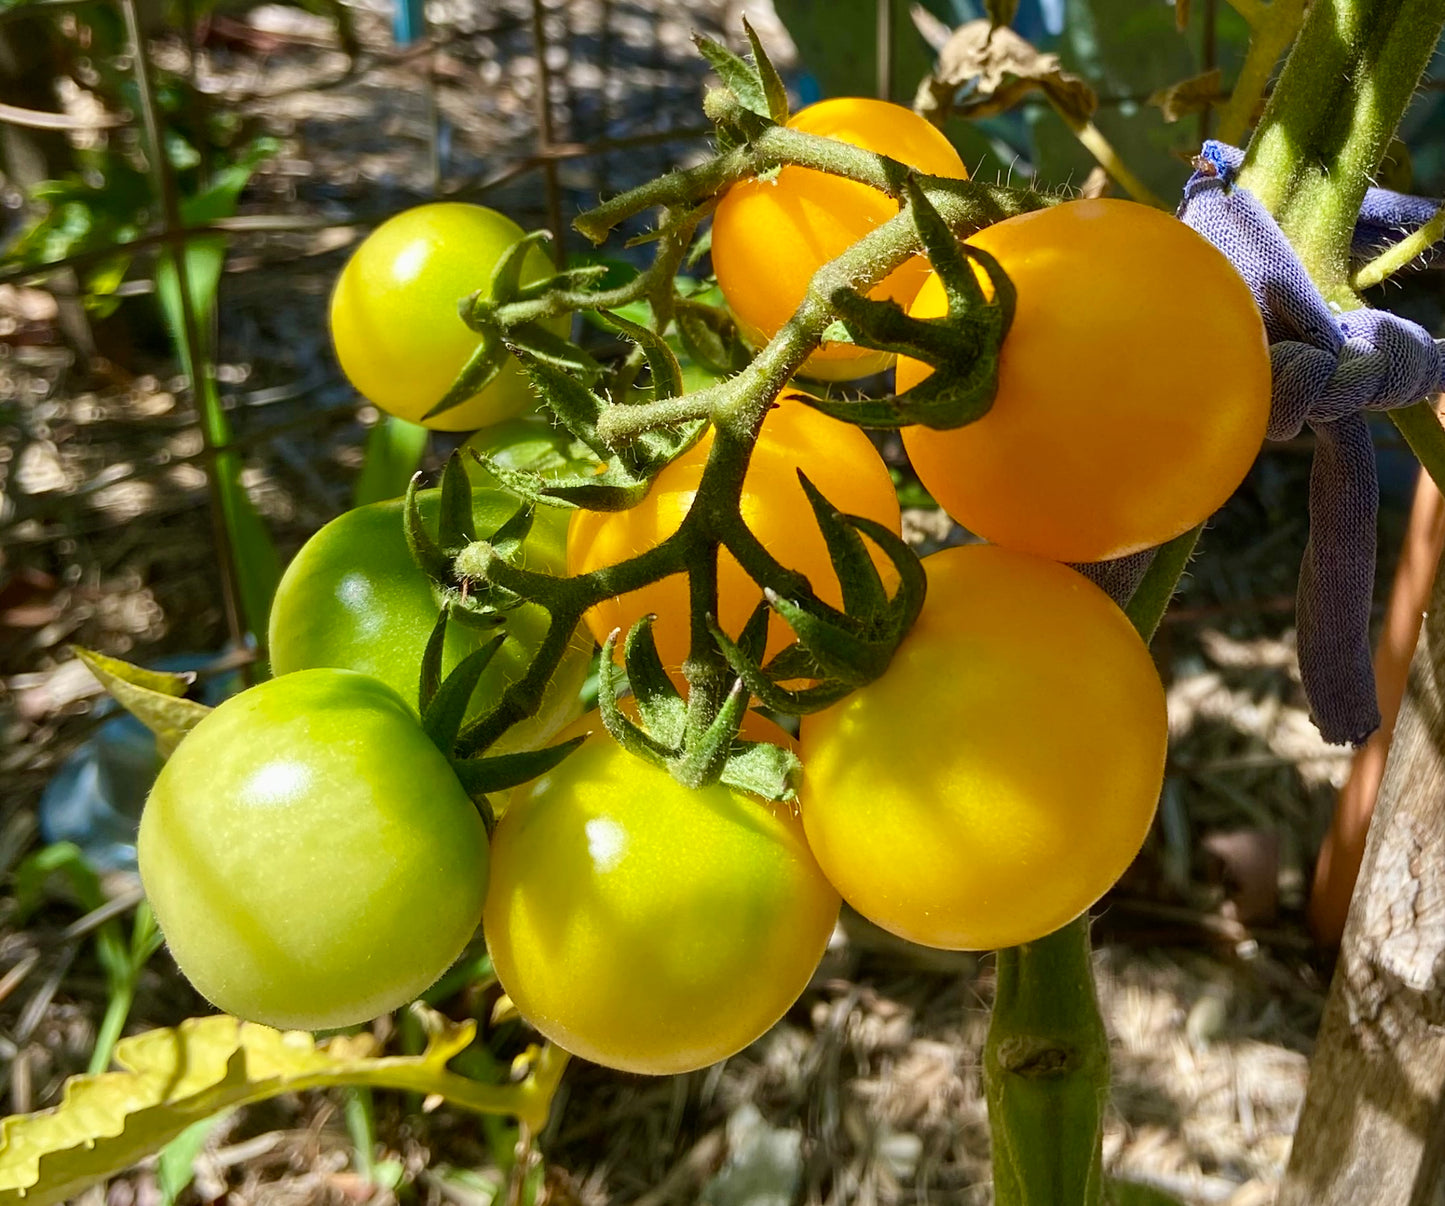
{"x": 647, "y": 926}
{"x": 769, "y": 237}
{"x": 837, "y": 457}
{"x": 1133, "y": 387}
{"x": 1003, "y": 773}
{"x": 394, "y": 318}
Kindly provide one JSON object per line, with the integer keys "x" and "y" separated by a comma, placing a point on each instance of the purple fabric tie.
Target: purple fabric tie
{"x": 1328, "y": 368}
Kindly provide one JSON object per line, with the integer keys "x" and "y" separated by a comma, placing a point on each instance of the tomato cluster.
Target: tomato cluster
{"x": 986, "y": 789}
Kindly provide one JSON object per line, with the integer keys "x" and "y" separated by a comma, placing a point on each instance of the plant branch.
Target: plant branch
{"x": 1272, "y": 28}
{"x": 1402, "y": 254}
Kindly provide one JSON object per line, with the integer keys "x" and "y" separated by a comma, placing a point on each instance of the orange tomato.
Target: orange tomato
{"x": 837, "y": 457}
{"x": 769, "y": 237}
{"x": 1133, "y": 386}
{"x": 1003, "y": 772}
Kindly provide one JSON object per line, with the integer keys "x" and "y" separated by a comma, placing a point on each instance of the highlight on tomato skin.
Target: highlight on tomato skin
{"x": 1133, "y": 388}
{"x": 645, "y": 925}
{"x": 770, "y": 236}
{"x": 1003, "y": 772}
{"x": 839, "y": 460}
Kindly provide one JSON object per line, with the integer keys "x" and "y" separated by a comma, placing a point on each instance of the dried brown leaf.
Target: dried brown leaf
{"x": 1193, "y": 95}
{"x": 983, "y": 70}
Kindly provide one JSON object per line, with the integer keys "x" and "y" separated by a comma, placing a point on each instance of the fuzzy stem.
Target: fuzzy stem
{"x": 1329, "y": 122}
{"x": 1403, "y": 253}
{"x": 1273, "y": 28}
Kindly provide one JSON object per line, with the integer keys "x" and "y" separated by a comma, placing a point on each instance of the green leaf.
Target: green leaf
{"x": 455, "y": 526}
{"x": 706, "y": 753}
{"x": 705, "y": 344}
{"x": 864, "y": 594}
{"x": 393, "y": 453}
{"x": 501, "y": 772}
{"x": 763, "y": 769}
{"x": 773, "y": 91}
{"x": 431, "y": 662}
{"x": 662, "y": 708}
{"x": 176, "y": 1167}
{"x": 425, "y": 551}
{"x": 175, "y": 1078}
{"x": 27, "y": 883}
{"x": 481, "y": 367}
{"x": 666, "y": 372}
{"x": 740, "y": 76}
{"x": 507, "y": 275}
{"x": 153, "y": 699}
{"x": 442, "y": 719}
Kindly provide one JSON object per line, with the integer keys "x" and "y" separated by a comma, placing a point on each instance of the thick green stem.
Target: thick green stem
{"x": 1046, "y": 1074}
{"x": 1273, "y": 28}
{"x": 1339, "y": 101}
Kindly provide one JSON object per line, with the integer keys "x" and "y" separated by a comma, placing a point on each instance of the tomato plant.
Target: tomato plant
{"x": 645, "y": 925}
{"x": 294, "y": 842}
{"x": 394, "y": 313}
{"x": 838, "y": 458}
{"x": 354, "y": 598}
{"x": 1003, "y": 773}
{"x": 1117, "y": 424}
{"x": 770, "y": 236}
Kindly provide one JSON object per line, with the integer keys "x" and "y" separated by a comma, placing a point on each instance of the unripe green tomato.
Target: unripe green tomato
{"x": 353, "y": 598}
{"x": 395, "y": 322}
{"x": 310, "y": 856}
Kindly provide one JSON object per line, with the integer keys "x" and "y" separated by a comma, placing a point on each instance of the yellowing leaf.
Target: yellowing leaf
{"x": 172, "y": 1078}
{"x": 155, "y": 699}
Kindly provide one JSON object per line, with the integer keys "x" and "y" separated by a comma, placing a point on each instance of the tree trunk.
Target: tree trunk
{"x": 1372, "y": 1128}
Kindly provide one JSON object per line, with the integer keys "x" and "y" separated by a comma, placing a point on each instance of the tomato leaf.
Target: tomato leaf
{"x": 442, "y": 719}
{"x": 763, "y": 769}
{"x": 864, "y": 594}
{"x": 666, "y": 372}
{"x": 484, "y": 364}
{"x": 501, "y": 772}
{"x": 431, "y": 662}
{"x": 155, "y": 699}
{"x": 740, "y": 77}
{"x": 708, "y": 346}
{"x": 662, "y": 708}
{"x": 704, "y": 754}
{"x": 424, "y": 550}
{"x": 455, "y": 526}
{"x": 507, "y": 272}
{"x": 772, "y": 83}
{"x": 171, "y": 1079}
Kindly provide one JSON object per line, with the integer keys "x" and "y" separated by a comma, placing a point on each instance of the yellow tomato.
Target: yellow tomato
{"x": 769, "y": 237}
{"x": 837, "y": 457}
{"x": 1003, "y": 773}
{"x": 394, "y": 319}
{"x": 647, "y": 926}
{"x": 1133, "y": 386}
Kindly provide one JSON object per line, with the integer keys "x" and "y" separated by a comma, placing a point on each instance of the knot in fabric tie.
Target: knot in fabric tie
{"x": 1328, "y": 368}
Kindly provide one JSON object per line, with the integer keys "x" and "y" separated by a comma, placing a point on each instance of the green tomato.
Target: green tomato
{"x": 310, "y": 856}
{"x": 645, "y": 925}
{"x": 394, "y": 313}
{"x": 353, "y": 598}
